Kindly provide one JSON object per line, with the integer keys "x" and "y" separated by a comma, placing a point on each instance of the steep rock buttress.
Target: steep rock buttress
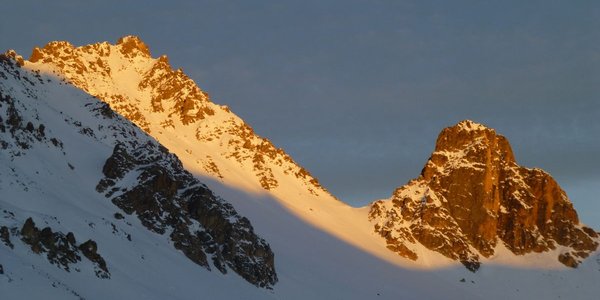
{"x": 472, "y": 195}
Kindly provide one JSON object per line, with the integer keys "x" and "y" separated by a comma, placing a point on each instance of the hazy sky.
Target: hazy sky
{"x": 357, "y": 91}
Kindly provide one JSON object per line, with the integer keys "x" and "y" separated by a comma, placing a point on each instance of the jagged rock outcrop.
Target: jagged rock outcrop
{"x": 5, "y": 237}
{"x": 168, "y": 199}
{"x": 61, "y": 249}
{"x": 472, "y": 195}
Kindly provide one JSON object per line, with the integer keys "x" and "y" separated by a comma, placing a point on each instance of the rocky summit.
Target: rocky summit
{"x": 167, "y": 104}
{"x": 473, "y": 197}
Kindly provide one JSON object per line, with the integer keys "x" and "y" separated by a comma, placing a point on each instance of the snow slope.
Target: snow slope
{"x": 54, "y": 183}
{"x": 211, "y": 141}
{"x": 52, "y": 178}
{"x": 323, "y": 248}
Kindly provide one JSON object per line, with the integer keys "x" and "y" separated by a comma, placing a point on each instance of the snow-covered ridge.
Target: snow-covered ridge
{"x": 56, "y": 157}
{"x": 213, "y": 142}
{"x": 209, "y": 138}
{"x": 324, "y": 249}
{"x": 71, "y": 186}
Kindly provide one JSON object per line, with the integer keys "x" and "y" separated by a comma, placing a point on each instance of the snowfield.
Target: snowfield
{"x": 324, "y": 248}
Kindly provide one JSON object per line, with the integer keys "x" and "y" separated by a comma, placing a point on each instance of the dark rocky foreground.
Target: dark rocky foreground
{"x": 151, "y": 183}
{"x": 60, "y": 249}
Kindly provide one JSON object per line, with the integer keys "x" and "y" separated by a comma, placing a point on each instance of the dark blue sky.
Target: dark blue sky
{"x": 357, "y": 91}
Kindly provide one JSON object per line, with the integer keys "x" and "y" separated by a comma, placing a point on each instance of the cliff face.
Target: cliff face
{"x": 166, "y": 198}
{"x": 472, "y": 195}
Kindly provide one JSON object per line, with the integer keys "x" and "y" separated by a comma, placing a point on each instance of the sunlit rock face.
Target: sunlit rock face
{"x": 97, "y": 67}
{"x": 472, "y": 195}
{"x": 168, "y": 105}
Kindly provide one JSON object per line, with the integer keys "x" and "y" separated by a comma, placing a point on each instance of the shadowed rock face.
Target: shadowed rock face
{"x": 62, "y": 249}
{"x": 141, "y": 177}
{"x": 168, "y": 199}
{"x": 472, "y": 195}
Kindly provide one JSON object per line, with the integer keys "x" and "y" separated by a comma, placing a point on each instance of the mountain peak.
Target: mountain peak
{"x": 473, "y": 141}
{"x": 472, "y": 196}
{"x": 131, "y": 44}
{"x": 57, "y": 51}
{"x": 121, "y": 73}
{"x": 165, "y": 101}
{"x": 469, "y": 125}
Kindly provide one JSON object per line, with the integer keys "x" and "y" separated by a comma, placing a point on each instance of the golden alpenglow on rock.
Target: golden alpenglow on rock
{"x": 472, "y": 196}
